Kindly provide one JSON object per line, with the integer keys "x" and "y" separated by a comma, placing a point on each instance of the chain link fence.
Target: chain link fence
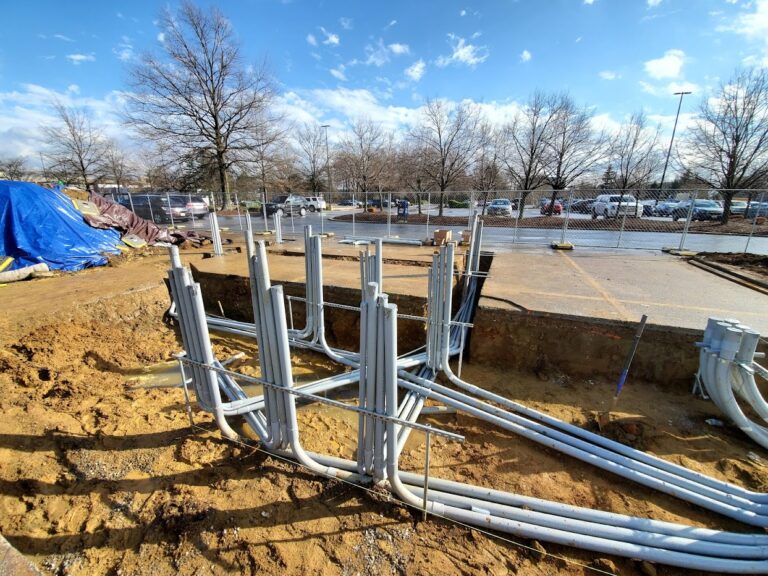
{"x": 643, "y": 219}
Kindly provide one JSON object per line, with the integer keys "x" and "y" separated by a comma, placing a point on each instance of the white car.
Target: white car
{"x": 613, "y": 205}
{"x": 315, "y": 203}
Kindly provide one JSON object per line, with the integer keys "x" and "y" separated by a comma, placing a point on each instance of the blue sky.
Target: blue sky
{"x": 335, "y": 61}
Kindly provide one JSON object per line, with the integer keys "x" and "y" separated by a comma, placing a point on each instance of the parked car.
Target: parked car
{"x": 293, "y": 204}
{"x": 315, "y": 203}
{"x": 156, "y": 207}
{"x": 351, "y": 203}
{"x": 702, "y": 210}
{"x": 738, "y": 207}
{"x": 756, "y": 209}
{"x": 251, "y": 205}
{"x": 499, "y": 207}
{"x": 556, "y": 208}
{"x": 648, "y": 206}
{"x": 582, "y": 206}
{"x": 613, "y": 205}
{"x": 196, "y": 206}
{"x": 665, "y": 208}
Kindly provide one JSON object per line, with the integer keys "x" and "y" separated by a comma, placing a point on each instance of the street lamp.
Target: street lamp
{"x": 671, "y": 140}
{"x": 327, "y": 159}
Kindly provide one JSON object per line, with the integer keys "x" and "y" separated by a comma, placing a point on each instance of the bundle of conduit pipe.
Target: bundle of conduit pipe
{"x": 727, "y": 368}
{"x": 392, "y": 391}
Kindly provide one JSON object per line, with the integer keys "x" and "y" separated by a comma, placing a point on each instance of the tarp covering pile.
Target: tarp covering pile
{"x": 113, "y": 215}
{"x": 42, "y": 225}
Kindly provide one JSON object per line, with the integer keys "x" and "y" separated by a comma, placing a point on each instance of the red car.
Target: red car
{"x": 557, "y": 208}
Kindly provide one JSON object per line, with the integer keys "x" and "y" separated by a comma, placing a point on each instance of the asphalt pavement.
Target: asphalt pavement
{"x": 502, "y": 239}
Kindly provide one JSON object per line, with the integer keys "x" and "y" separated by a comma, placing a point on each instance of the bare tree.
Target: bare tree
{"x": 409, "y": 164}
{"x": 266, "y": 154}
{"x": 76, "y": 149}
{"x": 448, "y": 137}
{"x": 198, "y": 96}
{"x": 311, "y": 156}
{"x": 117, "y": 165}
{"x": 727, "y": 147}
{"x": 363, "y": 154}
{"x": 525, "y": 141}
{"x": 635, "y": 153}
{"x": 13, "y": 168}
{"x": 487, "y": 168}
{"x": 573, "y": 147}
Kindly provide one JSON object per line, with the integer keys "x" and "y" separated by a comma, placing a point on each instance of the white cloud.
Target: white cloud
{"x": 330, "y": 38}
{"x": 345, "y": 23}
{"x": 525, "y": 56}
{"x": 124, "y": 50}
{"x": 338, "y": 73}
{"x": 25, "y": 111}
{"x": 668, "y": 66}
{"x": 609, "y": 75}
{"x": 377, "y": 55}
{"x": 399, "y": 49}
{"x": 753, "y": 25}
{"x": 80, "y": 58}
{"x": 589, "y": 2}
{"x": 416, "y": 70}
{"x": 161, "y": 37}
{"x": 578, "y": 39}
{"x": 653, "y": 3}
{"x": 669, "y": 89}
{"x": 391, "y": 23}
{"x": 463, "y": 53}
{"x": 311, "y": 40}
{"x": 463, "y": 13}
{"x": 62, "y": 37}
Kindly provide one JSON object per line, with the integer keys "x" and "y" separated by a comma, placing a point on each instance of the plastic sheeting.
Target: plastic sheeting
{"x": 114, "y": 215}
{"x": 42, "y": 225}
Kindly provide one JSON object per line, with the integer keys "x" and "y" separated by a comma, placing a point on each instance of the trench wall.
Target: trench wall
{"x": 505, "y": 338}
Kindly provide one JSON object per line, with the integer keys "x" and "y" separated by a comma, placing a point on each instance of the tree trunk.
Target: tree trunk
{"x": 551, "y": 207}
{"x": 442, "y": 201}
{"x": 727, "y": 200}
{"x": 221, "y": 170}
{"x": 523, "y": 197}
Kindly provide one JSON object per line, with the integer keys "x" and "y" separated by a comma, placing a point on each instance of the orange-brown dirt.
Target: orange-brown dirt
{"x": 101, "y": 473}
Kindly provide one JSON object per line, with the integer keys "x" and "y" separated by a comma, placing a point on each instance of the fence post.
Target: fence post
{"x": 189, "y": 199}
{"x": 429, "y": 201}
{"x": 693, "y": 197}
{"x": 471, "y": 208}
{"x": 239, "y": 216}
{"x": 354, "y": 207}
{"x": 754, "y": 221}
{"x": 151, "y": 212}
{"x": 389, "y": 214}
{"x": 520, "y": 209}
{"x": 567, "y": 216}
{"x": 170, "y": 209}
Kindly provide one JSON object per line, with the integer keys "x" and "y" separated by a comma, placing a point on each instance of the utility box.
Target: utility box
{"x": 442, "y": 237}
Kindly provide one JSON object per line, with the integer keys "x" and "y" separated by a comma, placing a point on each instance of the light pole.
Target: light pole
{"x": 671, "y": 140}
{"x": 327, "y": 160}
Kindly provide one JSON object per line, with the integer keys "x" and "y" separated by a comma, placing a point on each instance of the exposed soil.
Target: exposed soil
{"x": 754, "y": 264}
{"x": 101, "y": 473}
{"x": 736, "y": 226}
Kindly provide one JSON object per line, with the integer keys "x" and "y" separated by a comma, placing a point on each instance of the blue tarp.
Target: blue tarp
{"x": 42, "y": 225}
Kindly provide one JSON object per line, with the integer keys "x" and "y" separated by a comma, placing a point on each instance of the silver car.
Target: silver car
{"x": 499, "y": 207}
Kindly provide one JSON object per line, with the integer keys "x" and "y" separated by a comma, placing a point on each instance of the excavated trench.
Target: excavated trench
{"x": 101, "y": 474}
